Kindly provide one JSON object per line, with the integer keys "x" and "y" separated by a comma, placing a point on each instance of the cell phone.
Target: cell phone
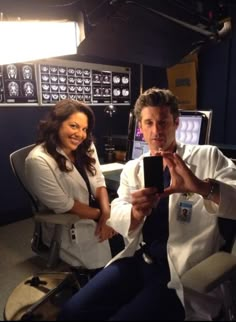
{"x": 153, "y": 172}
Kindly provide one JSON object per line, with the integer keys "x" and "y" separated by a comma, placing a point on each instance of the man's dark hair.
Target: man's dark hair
{"x": 156, "y": 97}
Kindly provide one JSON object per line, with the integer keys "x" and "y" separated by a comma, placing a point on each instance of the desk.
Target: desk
{"x": 112, "y": 180}
{"x": 111, "y": 172}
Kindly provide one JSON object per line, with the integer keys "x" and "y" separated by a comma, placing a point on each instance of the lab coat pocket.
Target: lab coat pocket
{"x": 85, "y": 229}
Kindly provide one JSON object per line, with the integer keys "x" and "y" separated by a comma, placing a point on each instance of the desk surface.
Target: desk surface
{"x": 111, "y": 172}
{"x": 110, "y": 167}
{"x": 112, "y": 180}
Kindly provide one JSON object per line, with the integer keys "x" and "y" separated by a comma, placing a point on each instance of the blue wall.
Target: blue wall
{"x": 217, "y": 88}
{"x": 17, "y": 128}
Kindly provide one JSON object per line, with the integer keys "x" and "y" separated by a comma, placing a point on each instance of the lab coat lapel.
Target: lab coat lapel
{"x": 74, "y": 171}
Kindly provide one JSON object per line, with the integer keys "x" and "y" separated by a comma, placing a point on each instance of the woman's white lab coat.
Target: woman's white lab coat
{"x": 56, "y": 191}
{"x": 189, "y": 242}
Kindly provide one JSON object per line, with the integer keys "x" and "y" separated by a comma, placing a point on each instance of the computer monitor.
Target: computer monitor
{"x": 194, "y": 128}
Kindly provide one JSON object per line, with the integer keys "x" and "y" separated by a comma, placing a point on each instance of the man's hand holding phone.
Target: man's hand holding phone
{"x": 143, "y": 201}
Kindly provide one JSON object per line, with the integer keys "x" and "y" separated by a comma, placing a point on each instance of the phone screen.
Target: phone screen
{"x": 153, "y": 172}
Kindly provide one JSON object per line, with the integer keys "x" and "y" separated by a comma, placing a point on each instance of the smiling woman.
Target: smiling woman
{"x": 64, "y": 175}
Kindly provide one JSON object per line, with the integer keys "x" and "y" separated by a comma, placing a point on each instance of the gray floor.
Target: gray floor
{"x": 17, "y": 261}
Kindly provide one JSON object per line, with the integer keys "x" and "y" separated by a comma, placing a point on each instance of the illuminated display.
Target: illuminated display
{"x": 92, "y": 83}
{"x": 18, "y": 84}
{"x": 189, "y": 129}
{"x": 52, "y": 80}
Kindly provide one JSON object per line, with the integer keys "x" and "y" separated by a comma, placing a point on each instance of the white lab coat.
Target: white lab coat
{"x": 56, "y": 192}
{"x": 188, "y": 243}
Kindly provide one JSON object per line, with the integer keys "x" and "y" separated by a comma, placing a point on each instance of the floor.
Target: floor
{"x": 18, "y": 262}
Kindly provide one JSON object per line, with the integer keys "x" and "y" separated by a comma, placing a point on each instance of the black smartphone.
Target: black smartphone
{"x": 153, "y": 172}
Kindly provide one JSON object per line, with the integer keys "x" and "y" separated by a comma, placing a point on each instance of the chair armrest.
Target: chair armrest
{"x": 210, "y": 273}
{"x": 61, "y": 219}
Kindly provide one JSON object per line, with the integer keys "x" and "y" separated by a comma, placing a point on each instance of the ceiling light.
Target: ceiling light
{"x": 32, "y": 40}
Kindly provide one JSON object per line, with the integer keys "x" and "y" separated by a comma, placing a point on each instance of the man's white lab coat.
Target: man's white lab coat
{"x": 189, "y": 242}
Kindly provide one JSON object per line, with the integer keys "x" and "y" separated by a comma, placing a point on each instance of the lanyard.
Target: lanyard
{"x": 84, "y": 175}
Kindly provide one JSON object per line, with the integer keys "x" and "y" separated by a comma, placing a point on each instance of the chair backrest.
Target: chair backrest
{"x": 17, "y": 161}
{"x": 50, "y": 253}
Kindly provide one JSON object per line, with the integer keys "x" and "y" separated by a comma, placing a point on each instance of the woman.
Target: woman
{"x": 64, "y": 175}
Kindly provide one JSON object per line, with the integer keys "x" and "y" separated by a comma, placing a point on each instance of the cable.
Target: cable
{"x": 64, "y": 5}
{"x": 98, "y": 6}
{"x": 190, "y": 9}
{"x": 177, "y": 21}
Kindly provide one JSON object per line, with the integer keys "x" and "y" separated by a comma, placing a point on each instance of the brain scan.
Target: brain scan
{"x": 13, "y": 89}
{"x": 125, "y": 80}
{"x": 28, "y": 89}
{"x": 116, "y": 92}
{"x": 116, "y": 79}
{"x": 11, "y": 71}
{"x": 125, "y": 92}
{"x": 27, "y": 72}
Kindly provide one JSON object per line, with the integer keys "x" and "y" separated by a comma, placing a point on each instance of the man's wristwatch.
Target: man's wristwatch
{"x": 214, "y": 189}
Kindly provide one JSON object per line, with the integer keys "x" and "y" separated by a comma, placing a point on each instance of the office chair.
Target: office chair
{"x": 218, "y": 270}
{"x": 17, "y": 161}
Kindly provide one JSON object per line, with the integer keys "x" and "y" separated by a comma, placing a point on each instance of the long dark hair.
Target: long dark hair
{"x": 49, "y": 129}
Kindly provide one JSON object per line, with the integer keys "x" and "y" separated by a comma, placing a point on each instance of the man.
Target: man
{"x": 143, "y": 281}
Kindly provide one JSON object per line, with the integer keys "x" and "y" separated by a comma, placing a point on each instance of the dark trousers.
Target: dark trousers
{"x": 128, "y": 289}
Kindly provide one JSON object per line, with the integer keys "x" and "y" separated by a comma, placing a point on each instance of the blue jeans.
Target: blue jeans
{"x": 128, "y": 289}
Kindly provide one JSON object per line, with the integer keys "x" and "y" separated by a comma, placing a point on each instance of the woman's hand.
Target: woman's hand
{"x": 103, "y": 231}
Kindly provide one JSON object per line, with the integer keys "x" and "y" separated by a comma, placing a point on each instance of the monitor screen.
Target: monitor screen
{"x": 191, "y": 128}
{"x": 194, "y": 128}
{"x": 139, "y": 145}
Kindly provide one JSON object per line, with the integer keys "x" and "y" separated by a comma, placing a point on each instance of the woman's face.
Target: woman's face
{"x": 73, "y": 132}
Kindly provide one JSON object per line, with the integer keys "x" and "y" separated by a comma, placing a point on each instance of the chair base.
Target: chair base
{"x": 40, "y": 297}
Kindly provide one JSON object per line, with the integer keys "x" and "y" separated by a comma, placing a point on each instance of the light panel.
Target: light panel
{"x": 23, "y": 41}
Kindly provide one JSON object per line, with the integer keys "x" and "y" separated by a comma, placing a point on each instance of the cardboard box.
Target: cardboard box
{"x": 191, "y": 58}
{"x": 182, "y": 81}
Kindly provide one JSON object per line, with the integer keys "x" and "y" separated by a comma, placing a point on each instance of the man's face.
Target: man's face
{"x": 158, "y": 127}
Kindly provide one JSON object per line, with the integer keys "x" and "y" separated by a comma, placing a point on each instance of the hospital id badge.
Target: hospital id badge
{"x": 185, "y": 211}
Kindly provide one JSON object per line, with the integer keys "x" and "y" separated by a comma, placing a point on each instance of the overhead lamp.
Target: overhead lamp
{"x": 33, "y": 40}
